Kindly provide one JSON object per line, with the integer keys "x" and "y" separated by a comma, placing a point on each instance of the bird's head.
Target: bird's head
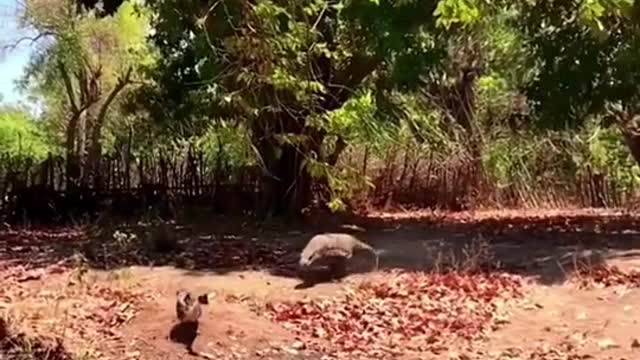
{"x": 184, "y": 296}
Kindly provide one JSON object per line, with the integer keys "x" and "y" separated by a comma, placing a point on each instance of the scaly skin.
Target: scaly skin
{"x": 334, "y": 248}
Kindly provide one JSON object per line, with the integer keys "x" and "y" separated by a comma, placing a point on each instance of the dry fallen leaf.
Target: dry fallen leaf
{"x": 412, "y": 311}
{"x": 606, "y": 276}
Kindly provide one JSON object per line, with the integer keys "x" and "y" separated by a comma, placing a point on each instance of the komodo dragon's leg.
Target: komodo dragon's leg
{"x": 338, "y": 267}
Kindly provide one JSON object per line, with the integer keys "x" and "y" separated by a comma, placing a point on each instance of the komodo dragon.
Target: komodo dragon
{"x": 333, "y": 250}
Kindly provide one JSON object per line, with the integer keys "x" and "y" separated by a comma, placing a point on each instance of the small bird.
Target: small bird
{"x": 189, "y": 312}
{"x": 187, "y": 307}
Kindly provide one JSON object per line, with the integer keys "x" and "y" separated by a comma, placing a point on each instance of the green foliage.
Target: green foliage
{"x": 604, "y": 152}
{"x": 556, "y": 158}
{"x": 463, "y": 12}
{"x": 512, "y": 159}
{"x": 495, "y": 99}
{"x": 20, "y": 137}
{"x": 226, "y": 145}
{"x": 355, "y": 119}
{"x": 93, "y": 53}
{"x": 586, "y": 55}
{"x": 270, "y": 82}
{"x": 355, "y": 123}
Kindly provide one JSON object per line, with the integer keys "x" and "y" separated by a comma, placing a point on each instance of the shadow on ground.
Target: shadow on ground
{"x": 184, "y": 333}
{"x": 546, "y": 246}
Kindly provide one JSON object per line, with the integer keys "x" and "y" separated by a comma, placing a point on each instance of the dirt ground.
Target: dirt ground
{"x": 555, "y": 320}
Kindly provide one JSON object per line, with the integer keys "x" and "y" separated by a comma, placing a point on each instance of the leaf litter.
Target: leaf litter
{"x": 64, "y": 307}
{"x": 603, "y": 275}
{"x": 404, "y": 312}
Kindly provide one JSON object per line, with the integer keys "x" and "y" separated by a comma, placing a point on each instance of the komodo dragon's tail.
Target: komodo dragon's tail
{"x": 376, "y": 252}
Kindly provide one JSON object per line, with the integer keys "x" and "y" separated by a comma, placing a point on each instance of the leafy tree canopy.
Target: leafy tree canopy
{"x": 281, "y": 67}
{"x": 585, "y": 54}
{"x": 20, "y": 137}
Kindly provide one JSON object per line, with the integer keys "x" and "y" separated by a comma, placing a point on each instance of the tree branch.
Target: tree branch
{"x": 341, "y": 144}
{"x": 68, "y": 86}
{"x": 30, "y": 39}
{"x": 122, "y": 82}
{"x": 348, "y": 80}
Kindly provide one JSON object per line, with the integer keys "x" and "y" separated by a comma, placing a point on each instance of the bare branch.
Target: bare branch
{"x": 30, "y": 39}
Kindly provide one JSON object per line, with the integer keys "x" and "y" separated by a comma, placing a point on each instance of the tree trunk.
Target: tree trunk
{"x": 95, "y": 149}
{"x": 72, "y": 166}
{"x": 286, "y": 185}
{"x": 81, "y": 147}
{"x": 78, "y": 108}
{"x": 341, "y": 145}
{"x": 293, "y": 190}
